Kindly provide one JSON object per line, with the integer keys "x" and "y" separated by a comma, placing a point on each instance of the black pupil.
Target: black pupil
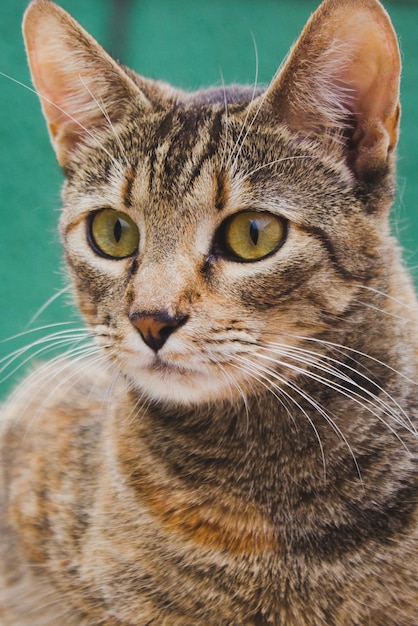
{"x": 254, "y": 232}
{"x": 117, "y": 231}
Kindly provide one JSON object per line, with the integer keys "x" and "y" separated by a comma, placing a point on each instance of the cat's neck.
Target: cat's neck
{"x": 270, "y": 452}
{"x": 273, "y": 447}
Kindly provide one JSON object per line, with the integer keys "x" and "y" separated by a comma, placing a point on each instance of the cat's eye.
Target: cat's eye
{"x": 113, "y": 234}
{"x": 253, "y": 235}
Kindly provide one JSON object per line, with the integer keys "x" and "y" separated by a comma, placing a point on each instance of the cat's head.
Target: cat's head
{"x": 207, "y": 232}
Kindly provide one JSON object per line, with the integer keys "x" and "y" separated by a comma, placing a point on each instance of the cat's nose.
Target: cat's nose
{"x": 155, "y": 328}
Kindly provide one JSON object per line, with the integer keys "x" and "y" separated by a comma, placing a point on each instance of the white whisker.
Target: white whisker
{"x": 43, "y": 346}
{"x": 271, "y": 163}
{"x": 109, "y": 121}
{"x": 352, "y": 395}
{"x": 378, "y": 309}
{"x": 388, "y": 297}
{"x": 47, "y": 304}
{"x": 68, "y": 115}
{"x": 316, "y": 406}
{"x": 225, "y": 146}
{"x": 30, "y": 331}
{"x": 41, "y": 377}
{"x": 78, "y": 356}
{"x": 342, "y": 349}
{"x": 243, "y": 134}
{"x": 139, "y": 407}
{"x": 336, "y": 368}
{"x": 235, "y": 384}
{"x": 263, "y": 376}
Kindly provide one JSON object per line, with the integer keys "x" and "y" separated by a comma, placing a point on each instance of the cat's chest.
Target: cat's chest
{"x": 153, "y": 540}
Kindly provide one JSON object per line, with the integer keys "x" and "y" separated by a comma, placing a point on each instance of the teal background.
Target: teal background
{"x": 188, "y": 43}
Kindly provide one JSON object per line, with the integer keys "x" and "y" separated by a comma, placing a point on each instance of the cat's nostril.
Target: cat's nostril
{"x": 155, "y": 328}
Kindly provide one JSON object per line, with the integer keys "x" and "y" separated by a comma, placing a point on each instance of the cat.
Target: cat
{"x": 236, "y": 442}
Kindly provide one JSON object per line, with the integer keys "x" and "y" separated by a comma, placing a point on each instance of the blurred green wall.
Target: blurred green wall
{"x": 189, "y": 43}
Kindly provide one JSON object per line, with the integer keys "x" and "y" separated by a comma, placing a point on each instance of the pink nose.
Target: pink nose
{"x": 155, "y": 328}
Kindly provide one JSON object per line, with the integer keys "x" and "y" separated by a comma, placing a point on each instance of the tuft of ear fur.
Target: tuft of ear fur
{"x": 340, "y": 83}
{"x": 81, "y": 87}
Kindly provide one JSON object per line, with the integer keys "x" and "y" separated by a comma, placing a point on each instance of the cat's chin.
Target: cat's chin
{"x": 177, "y": 385}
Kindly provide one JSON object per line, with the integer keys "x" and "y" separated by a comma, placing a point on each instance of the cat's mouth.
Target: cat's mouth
{"x": 167, "y": 367}
{"x": 179, "y": 381}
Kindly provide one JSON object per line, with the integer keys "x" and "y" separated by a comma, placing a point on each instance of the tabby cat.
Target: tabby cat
{"x": 236, "y": 445}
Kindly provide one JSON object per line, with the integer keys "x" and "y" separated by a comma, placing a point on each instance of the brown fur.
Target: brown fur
{"x": 258, "y": 466}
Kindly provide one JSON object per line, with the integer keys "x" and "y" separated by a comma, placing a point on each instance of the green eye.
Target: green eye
{"x": 113, "y": 234}
{"x": 252, "y": 235}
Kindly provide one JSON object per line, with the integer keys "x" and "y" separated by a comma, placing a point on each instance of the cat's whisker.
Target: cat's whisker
{"x": 114, "y": 375}
{"x": 68, "y": 115}
{"x": 60, "y": 334}
{"x": 139, "y": 408}
{"x": 387, "y": 296}
{"x": 327, "y": 416}
{"x": 42, "y": 345}
{"x": 379, "y": 310}
{"x": 263, "y": 377}
{"x": 142, "y": 398}
{"x": 41, "y": 351}
{"x": 315, "y": 405}
{"x": 367, "y": 404}
{"x": 253, "y": 370}
{"x": 248, "y": 175}
{"x": 105, "y": 114}
{"x": 226, "y": 123}
{"x": 81, "y": 358}
{"x": 234, "y": 383}
{"x": 31, "y": 331}
{"x": 240, "y": 142}
{"x": 243, "y": 132}
{"x": 50, "y": 365}
{"x": 50, "y": 300}
{"x": 343, "y": 349}
{"x": 337, "y": 369}
{"x": 41, "y": 377}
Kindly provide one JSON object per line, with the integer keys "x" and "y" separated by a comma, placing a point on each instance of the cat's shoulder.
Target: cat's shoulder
{"x": 65, "y": 392}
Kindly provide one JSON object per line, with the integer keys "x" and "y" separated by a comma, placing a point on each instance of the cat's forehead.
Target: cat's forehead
{"x": 198, "y": 156}
{"x": 228, "y": 95}
{"x": 198, "y": 159}
{"x": 173, "y": 147}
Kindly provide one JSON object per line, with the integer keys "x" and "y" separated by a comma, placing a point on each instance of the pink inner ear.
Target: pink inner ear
{"x": 56, "y": 71}
{"x": 67, "y": 104}
{"x": 373, "y": 72}
{"x": 52, "y": 86}
{"x": 80, "y": 85}
{"x": 344, "y": 69}
{"x": 373, "y": 75}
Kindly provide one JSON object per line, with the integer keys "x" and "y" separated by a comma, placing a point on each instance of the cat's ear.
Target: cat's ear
{"x": 80, "y": 86}
{"x": 341, "y": 82}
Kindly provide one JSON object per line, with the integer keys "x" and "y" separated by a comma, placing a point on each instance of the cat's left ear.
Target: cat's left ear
{"x": 82, "y": 89}
{"x": 340, "y": 83}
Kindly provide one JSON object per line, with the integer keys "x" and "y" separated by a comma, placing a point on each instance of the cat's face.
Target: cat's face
{"x": 218, "y": 227}
{"x": 209, "y": 234}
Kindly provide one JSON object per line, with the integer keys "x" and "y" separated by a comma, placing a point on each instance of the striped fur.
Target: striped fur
{"x": 259, "y": 467}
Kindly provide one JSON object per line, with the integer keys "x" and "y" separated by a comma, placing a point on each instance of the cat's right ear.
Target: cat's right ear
{"x": 81, "y": 88}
